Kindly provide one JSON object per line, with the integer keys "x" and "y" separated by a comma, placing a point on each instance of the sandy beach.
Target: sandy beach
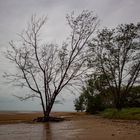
{"x": 77, "y": 126}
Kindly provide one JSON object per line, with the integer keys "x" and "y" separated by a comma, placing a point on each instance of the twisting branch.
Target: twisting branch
{"x": 48, "y": 69}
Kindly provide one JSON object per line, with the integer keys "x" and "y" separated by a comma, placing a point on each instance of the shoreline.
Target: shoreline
{"x": 7, "y": 117}
{"x": 76, "y": 126}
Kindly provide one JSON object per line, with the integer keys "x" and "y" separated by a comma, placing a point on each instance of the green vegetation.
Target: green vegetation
{"x": 114, "y": 83}
{"x": 96, "y": 96}
{"x": 125, "y": 113}
{"x": 90, "y": 99}
{"x": 116, "y": 56}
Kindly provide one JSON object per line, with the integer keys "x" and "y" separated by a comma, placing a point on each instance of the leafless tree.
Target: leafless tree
{"x": 118, "y": 58}
{"x": 47, "y": 68}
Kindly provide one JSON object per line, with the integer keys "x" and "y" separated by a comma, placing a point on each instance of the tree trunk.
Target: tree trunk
{"x": 119, "y": 105}
{"x": 46, "y": 116}
{"x": 117, "y": 101}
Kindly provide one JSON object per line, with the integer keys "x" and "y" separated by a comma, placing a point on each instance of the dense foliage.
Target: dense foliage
{"x": 95, "y": 98}
{"x": 91, "y": 98}
{"x": 116, "y": 54}
{"x": 116, "y": 70}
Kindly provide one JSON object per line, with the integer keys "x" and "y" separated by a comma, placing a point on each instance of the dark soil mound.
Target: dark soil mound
{"x": 50, "y": 119}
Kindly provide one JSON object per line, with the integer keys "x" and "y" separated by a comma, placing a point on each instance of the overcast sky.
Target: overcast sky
{"x": 14, "y": 15}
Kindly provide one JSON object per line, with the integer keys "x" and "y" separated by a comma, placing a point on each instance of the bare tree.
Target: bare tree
{"x": 118, "y": 58}
{"x": 46, "y": 68}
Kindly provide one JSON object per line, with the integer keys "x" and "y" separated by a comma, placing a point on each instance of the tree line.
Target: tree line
{"x": 116, "y": 60}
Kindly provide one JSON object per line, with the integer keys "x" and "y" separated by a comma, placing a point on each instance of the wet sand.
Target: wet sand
{"x": 77, "y": 126}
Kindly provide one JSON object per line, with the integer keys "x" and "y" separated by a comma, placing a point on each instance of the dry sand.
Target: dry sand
{"x": 77, "y": 126}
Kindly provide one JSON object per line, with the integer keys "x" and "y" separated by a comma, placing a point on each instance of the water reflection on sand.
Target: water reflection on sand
{"x": 86, "y": 128}
{"x": 23, "y": 131}
{"x": 37, "y": 131}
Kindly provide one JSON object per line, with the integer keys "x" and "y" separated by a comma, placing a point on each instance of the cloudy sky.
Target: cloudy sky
{"x": 14, "y": 15}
